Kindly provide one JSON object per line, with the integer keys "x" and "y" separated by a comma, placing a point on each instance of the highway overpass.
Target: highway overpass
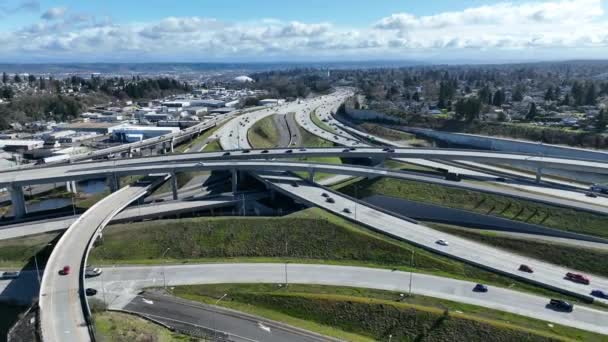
{"x": 64, "y": 313}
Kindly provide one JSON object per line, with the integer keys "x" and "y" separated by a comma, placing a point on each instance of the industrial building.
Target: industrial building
{"x": 129, "y": 133}
{"x": 271, "y": 102}
{"x": 208, "y": 103}
{"x": 96, "y": 127}
{"x": 13, "y": 145}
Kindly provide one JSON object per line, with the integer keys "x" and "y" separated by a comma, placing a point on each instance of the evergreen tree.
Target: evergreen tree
{"x": 601, "y": 121}
{"x": 532, "y": 113}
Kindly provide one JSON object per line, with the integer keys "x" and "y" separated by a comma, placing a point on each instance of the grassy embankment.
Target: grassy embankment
{"x": 120, "y": 327}
{"x": 310, "y": 236}
{"x": 264, "y": 133}
{"x": 357, "y": 314}
{"x": 578, "y": 258}
{"x": 213, "y": 146}
{"x": 501, "y": 206}
{"x": 199, "y": 140}
{"x": 319, "y": 123}
{"x": 393, "y": 135}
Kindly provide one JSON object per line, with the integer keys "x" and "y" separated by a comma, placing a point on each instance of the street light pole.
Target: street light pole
{"x": 37, "y": 269}
{"x": 213, "y": 320}
{"x": 163, "y": 269}
{"x": 411, "y": 270}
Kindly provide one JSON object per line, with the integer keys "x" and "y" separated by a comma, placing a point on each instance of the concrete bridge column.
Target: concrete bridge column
{"x": 130, "y": 153}
{"x": 311, "y": 175}
{"x": 164, "y": 149}
{"x": 71, "y": 187}
{"x": 114, "y": 182}
{"x": 539, "y": 174}
{"x": 172, "y": 143}
{"x": 235, "y": 181}
{"x": 17, "y": 200}
{"x": 174, "y": 186}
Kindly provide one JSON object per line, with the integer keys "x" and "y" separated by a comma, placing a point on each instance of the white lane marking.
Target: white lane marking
{"x": 263, "y": 327}
{"x": 147, "y": 301}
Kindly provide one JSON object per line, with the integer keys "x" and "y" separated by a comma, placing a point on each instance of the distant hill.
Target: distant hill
{"x": 148, "y": 68}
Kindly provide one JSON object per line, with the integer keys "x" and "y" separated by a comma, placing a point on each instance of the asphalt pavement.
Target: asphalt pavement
{"x": 122, "y": 284}
{"x": 212, "y": 321}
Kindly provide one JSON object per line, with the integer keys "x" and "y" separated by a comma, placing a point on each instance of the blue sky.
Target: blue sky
{"x": 242, "y": 30}
{"x": 345, "y": 12}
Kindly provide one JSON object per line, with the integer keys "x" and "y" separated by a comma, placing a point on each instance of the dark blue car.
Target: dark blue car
{"x": 480, "y": 288}
{"x": 599, "y": 293}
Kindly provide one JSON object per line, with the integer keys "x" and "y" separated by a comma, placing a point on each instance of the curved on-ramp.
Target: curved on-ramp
{"x": 64, "y": 313}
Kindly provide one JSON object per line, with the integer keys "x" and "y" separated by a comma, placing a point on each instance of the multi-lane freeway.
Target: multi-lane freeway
{"x": 501, "y": 261}
{"x": 60, "y": 294}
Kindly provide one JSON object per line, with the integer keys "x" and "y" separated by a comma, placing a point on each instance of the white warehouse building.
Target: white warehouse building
{"x": 138, "y": 133}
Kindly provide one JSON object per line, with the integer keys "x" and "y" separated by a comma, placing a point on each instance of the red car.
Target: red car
{"x": 65, "y": 270}
{"x": 578, "y": 278}
{"x": 525, "y": 268}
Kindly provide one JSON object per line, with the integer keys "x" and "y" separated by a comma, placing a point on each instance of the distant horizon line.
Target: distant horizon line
{"x": 337, "y": 61}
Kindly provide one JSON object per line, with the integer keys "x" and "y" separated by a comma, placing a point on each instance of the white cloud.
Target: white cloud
{"x": 557, "y": 25}
{"x": 54, "y": 13}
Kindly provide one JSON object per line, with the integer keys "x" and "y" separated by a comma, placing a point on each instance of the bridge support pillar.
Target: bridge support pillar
{"x": 68, "y": 186}
{"x": 172, "y": 144}
{"x": 311, "y": 175}
{"x": 17, "y": 200}
{"x": 539, "y": 174}
{"x": 235, "y": 181}
{"x": 164, "y": 148}
{"x": 174, "y": 186}
{"x": 130, "y": 153}
{"x": 114, "y": 182}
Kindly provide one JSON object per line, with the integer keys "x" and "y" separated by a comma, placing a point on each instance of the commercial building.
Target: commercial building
{"x": 155, "y": 117}
{"x": 271, "y": 102}
{"x": 208, "y": 103}
{"x": 128, "y": 133}
{"x": 13, "y": 145}
{"x": 96, "y": 127}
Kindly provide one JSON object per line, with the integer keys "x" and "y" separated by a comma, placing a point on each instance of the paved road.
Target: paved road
{"x": 280, "y": 122}
{"x": 522, "y": 181}
{"x": 441, "y": 214}
{"x": 292, "y": 126}
{"x": 122, "y": 284}
{"x": 501, "y": 261}
{"x": 208, "y": 320}
{"x": 352, "y": 170}
{"x": 62, "y": 316}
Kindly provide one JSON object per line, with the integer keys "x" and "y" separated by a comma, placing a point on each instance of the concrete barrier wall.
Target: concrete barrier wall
{"x": 519, "y": 146}
{"x": 509, "y": 145}
{"x": 365, "y": 114}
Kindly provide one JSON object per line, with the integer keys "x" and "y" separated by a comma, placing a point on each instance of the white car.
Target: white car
{"x": 92, "y": 272}
{"x": 442, "y": 242}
